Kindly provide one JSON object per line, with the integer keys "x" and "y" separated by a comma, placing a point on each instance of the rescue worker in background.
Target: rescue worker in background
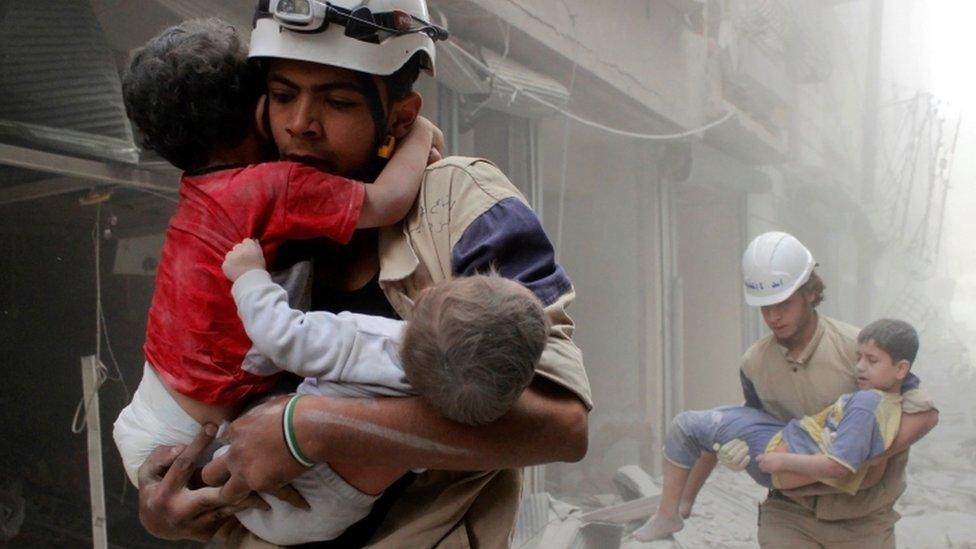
{"x": 804, "y": 365}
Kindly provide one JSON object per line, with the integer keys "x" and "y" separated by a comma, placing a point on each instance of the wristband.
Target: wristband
{"x": 291, "y": 441}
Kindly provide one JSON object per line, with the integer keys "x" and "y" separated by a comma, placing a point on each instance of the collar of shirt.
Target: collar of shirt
{"x": 808, "y": 351}
{"x": 398, "y": 261}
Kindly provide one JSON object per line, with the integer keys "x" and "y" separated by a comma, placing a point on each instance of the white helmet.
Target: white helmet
{"x": 372, "y": 36}
{"x": 774, "y": 266}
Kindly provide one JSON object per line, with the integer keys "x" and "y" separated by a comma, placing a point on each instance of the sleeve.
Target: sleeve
{"x": 915, "y": 399}
{"x": 315, "y": 204}
{"x": 749, "y": 392}
{"x": 340, "y": 348}
{"x": 858, "y": 436}
{"x": 510, "y": 238}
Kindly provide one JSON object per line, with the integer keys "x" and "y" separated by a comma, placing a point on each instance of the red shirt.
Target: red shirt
{"x": 194, "y": 338}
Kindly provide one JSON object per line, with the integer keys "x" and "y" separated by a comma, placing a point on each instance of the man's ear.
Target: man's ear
{"x": 809, "y": 296}
{"x": 403, "y": 114}
{"x": 902, "y": 369}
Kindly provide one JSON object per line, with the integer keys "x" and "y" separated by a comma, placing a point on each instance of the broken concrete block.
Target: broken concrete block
{"x": 632, "y": 483}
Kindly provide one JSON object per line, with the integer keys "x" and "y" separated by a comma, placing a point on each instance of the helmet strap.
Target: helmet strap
{"x": 383, "y": 141}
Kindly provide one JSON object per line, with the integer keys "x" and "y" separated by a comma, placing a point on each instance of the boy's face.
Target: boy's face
{"x": 320, "y": 115}
{"x": 786, "y": 318}
{"x": 876, "y": 370}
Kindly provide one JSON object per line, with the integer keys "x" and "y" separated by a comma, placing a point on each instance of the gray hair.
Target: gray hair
{"x": 472, "y": 345}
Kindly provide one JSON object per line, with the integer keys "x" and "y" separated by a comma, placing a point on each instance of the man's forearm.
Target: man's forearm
{"x": 546, "y": 424}
{"x": 815, "y": 466}
{"x": 786, "y": 480}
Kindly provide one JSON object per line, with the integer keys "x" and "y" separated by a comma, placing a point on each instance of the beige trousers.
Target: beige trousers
{"x": 786, "y": 525}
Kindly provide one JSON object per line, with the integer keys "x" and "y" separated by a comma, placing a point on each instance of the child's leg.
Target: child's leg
{"x": 696, "y": 479}
{"x": 689, "y": 435}
{"x": 667, "y": 520}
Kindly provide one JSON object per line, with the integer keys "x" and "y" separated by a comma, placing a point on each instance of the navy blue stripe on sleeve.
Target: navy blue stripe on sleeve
{"x": 910, "y": 382}
{"x": 749, "y": 392}
{"x": 510, "y": 238}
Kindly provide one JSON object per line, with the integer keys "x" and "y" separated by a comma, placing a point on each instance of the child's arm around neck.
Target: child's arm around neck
{"x": 393, "y": 194}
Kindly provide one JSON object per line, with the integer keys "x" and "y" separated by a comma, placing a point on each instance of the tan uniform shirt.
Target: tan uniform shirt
{"x": 824, "y": 370}
{"x": 444, "y": 508}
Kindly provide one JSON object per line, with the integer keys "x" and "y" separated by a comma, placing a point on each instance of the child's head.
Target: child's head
{"x": 472, "y": 344}
{"x": 887, "y": 349}
{"x": 190, "y": 91}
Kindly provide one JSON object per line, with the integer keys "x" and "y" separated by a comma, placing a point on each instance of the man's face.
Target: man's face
{"x": 320, "y": 115}
{"x": 785, "y": 319}
{"x": 875, "y": 369}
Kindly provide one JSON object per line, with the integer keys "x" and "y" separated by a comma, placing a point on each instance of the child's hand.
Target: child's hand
{"x": 422, "y": 129}
{"x": 770, "y": 462}
{"x": 434, "y": 156}
{"x": 246, "y": 256}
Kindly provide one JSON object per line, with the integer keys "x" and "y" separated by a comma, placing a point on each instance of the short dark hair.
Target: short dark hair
{"x": 472, "y": 345}
{"x": 895, "y": 337}
{"x": 400, "y": 83}
{"x": 191, "y": 89}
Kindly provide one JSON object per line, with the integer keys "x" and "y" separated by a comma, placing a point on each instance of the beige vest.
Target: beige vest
{"x": 443, "y": 508}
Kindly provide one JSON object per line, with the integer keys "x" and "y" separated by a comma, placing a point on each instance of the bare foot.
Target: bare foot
{"x": 684, "y": 508}
{"x": 658, "y": 527}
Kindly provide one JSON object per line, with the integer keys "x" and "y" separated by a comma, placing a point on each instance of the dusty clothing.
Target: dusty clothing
{"x": 783, "y": 524}
{"x": 469, "y": 217}
{"x": 194, "y": 339}
{"x": 856, "y": 428}
{"x": 788, "y": 389}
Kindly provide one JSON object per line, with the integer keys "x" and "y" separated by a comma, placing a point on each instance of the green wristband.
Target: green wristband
{"x": 291, "y": 441}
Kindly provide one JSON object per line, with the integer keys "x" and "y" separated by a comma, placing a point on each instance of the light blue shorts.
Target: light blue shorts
{"x": 697, "y": 431}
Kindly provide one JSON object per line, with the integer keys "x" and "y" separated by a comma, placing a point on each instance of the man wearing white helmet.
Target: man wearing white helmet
{"x": 805, "y": 364}
{"x": 339, "y": 80}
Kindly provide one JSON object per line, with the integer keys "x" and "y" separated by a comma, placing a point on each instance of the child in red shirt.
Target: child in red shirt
{"x": 193, "y": 95}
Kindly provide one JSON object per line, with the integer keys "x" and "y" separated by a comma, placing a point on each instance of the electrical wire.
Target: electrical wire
{"x": 156, "y": 194}
{"x": 101, "y": 373}
{"x": 584, "y": 121}
{"x": 101, "y": 330}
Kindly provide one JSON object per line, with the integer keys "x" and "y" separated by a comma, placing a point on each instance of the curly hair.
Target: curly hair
{"x": 472, "y": 345}
{"x": 190, "y": 90}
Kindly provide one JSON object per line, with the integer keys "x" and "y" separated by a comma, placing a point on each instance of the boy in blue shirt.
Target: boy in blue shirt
{"x": 831, "y": 447}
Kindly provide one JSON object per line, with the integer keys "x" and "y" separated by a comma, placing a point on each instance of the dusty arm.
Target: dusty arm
{"x": 547, "y": 424}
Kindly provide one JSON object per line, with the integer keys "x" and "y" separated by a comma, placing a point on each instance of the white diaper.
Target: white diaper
{"x": 152, "y": 419}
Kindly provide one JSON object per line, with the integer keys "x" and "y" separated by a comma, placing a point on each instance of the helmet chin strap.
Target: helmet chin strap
{"x": 380, "y": 121}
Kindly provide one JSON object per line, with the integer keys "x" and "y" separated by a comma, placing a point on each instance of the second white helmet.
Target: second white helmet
{"x": 774, "y": 266}
{"x": 375, "y": 37}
